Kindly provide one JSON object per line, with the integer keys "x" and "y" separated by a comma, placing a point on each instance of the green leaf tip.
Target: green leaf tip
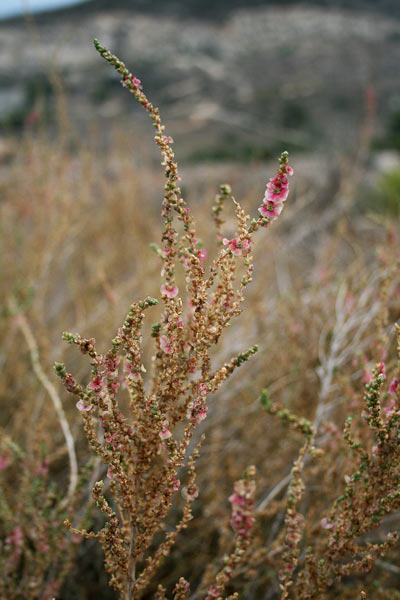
{"x": 265, "y": 400}
{"x": 60, "y": 369}
{"x": 98, "y": 46}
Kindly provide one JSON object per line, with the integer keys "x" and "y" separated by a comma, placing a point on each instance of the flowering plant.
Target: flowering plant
{"x": 138, "y": 436}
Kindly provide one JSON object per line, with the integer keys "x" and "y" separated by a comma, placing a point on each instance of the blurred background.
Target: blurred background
{"x": 236, "y": 80}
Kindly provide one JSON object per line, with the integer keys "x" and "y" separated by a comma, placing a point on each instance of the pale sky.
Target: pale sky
{"x": 10, "y": 8}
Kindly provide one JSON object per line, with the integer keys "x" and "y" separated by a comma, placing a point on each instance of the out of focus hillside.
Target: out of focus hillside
{"x": 236, "y": 80}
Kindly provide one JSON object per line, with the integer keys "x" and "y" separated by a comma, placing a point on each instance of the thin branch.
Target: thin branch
{"x": 26, "y": 330}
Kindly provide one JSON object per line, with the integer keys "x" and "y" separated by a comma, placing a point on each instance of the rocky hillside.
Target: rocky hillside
{"x": 237, "y": 82}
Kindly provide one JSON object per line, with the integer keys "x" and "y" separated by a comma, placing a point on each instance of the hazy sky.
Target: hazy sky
{"x": 16, "y": 7}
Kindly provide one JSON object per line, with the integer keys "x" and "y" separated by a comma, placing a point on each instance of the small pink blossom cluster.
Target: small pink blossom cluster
{"x": 277, "y": 191}
{"x": 202, "y": 389}
{"x": 106, "y": 375}
{"x": 84, "y": 406}
{"x": 175, "y": 484}
{"x": 242, "y": 501}
{"x": 185, "y": 257}
{"x": 238, "y": 247}
{"x": 96, "y": 384}
{"x": 174, "y": 323}
{"x": 190, "y": 493}
{"x": 113, "y": 441}
{"x": 129, "y": 79}
{"x": 213, "y": 592}
{"x": 166, "y": 344}
{"x": 367, "y": 372}
{"x": 229, "y": 300}
{"x": 202, "y": 254}
{"x": 165, "y": 432}
{"x": 182, "y": 589}
{"x": 169, "y": 291}
{"x": 96, "y": 387}
{"x": 111, "y": 364}
{"x": 197, "y": 410}
{"x": 131, "y": 372}
{"x": 326, "y": 524}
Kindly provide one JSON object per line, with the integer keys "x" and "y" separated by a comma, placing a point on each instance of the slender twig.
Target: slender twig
{"x": 26, "y": 330}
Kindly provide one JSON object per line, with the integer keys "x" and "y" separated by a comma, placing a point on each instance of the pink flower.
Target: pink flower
{"x": 269, "y": 210}
{"x": 174, "y": 324}
{"x": 134, "y": 376}
{"x": 196, "y": 410}
{"x": 238, "y": 247}
{"x": 242, "y": 501}
{"x": 382, "y": 369}
{"x": 202, "y": 254}
{"x": 132, "y": 79}
{"x": 202, "y": 389}
{"x": 241, "y": 522}
{"x": 136, "y": 81}
{"x": 277, "y": 191}
{"x": 80, "y": 405}
{"x": 165, "y": 432}
{"x": 327, "y": 524}
{"x": 246, "y": 246}
{"x": 176, "y": 483}
{"x": 165, "y": 344}
{"x": 190, "y": 494}
{"x": 393, "y": 386}
{"x": 95, "y": 385}
{"x": 233, "y": 246}
{"x": 212, "y": 592}
{"x": 170, "y": 292}
{"x": 131, "y": 372}
{"x": 236, "y": 499}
